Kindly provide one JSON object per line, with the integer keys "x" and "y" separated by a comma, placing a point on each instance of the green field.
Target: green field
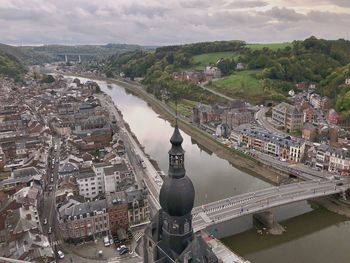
{"x": 243, "y": 84}
{"x": 273, "y": 46}
{"x": 204, "y": 60}
{"x": 184, "y": 107}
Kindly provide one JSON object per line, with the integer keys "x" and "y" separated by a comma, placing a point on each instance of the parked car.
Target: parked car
{"x": 123, "y": 251}
{"x": 50, "y": 230}
{"x": 121, "y": 247}
{"x": 60, "y": 254}
{"x": 50, "y": 188}
{"x": 106, "y": 241}
{"x": 45, "y": 221}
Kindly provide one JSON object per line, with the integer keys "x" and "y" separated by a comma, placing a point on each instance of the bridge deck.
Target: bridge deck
{"x": 233, "y": 207}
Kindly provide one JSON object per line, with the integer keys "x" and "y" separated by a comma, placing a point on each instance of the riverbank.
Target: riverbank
{"x": 334, "y": 205}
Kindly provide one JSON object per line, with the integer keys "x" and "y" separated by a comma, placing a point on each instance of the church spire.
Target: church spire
{"x": 176, "y": 155}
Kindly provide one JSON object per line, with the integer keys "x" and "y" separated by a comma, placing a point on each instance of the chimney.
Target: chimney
{"x": 28, "y": 216}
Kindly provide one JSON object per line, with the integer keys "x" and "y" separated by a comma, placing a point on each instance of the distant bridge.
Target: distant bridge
{"x": 67, "y": 57}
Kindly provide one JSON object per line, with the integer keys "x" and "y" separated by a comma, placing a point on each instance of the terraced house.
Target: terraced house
{"x": 263, "y": 141}
{"x": 83, "y": 221}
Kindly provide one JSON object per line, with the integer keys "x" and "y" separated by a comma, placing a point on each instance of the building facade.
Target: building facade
{"x": 83, "y": 221}
{"x": 263, "y": 141}
{"x": 287, "y": 117}
{"x": 90, "y": 183}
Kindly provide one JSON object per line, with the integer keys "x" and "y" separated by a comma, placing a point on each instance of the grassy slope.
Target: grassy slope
{"x": 273, "y": 46}
{"x": 204, "y": 60}
{"x": 184, "y": 106}
{"x": 242, "y": 84}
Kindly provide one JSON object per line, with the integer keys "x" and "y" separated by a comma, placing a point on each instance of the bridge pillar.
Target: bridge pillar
{"x": 268, "y": 220}
{"x": 79, "y": 58}
{"x": 66, "y": 58}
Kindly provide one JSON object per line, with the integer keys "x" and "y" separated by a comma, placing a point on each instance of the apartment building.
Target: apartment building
{"x": 339, "y": 161}
{"x": 287, "y": 117}
{"x": 83, "y": 221}
{"x": 90, "y": 183}
{"x": 138, "y": 207}
{"x": 117, "y": 208}
{"x": 263, "y": 141}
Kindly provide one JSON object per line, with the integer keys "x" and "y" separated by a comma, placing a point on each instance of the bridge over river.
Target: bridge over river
{"x": 249, "y": 203}
{"x": 258, "y": 201}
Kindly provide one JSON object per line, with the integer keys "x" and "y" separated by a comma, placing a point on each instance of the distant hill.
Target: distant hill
{"x": 11, "y": 62}
{"x": 53, "y": 53}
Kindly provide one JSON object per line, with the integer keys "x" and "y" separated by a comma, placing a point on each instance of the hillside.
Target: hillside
{"x": 10, "y": 62}
{"x": 278, "y": 67}
{"x": 53, "y": 53}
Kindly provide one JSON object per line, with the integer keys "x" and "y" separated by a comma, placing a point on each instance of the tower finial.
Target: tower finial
{"x": 175, "y": 110}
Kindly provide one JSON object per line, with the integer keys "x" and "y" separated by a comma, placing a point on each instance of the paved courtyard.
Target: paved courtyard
{"x": 89, "y": 252}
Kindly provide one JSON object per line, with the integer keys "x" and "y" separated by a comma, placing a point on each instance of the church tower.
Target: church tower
{"x": 169, "y": 237}
{"x": 176, "y": 199}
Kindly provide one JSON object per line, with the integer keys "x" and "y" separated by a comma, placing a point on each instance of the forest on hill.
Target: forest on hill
{"x": 10, "y": 64}
{"x": 278, "y": 69}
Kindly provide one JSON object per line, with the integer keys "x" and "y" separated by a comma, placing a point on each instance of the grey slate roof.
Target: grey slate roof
{"x": 84, "y": 208}
{"x": 264, "y": 135}
{"x": 24, "y": 172}
{"x": 68, "y": 168}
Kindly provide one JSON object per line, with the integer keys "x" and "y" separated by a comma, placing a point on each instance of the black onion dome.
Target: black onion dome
{"x": 176, "y": 138}
{"x": 177, "y": 196}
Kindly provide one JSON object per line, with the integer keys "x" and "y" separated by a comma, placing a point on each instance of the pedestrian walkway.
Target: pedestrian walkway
{"x": 137, "y": 235}
{"x": 55, "y": 243}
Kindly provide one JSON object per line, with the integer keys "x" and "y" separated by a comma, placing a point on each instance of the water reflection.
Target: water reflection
{"x": 318, "y": 237}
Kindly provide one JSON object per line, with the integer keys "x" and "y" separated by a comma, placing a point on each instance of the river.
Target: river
{"x": 317, "y": 236}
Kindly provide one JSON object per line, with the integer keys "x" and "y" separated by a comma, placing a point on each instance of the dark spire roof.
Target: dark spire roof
{"x": 176, "y": 138}
{"x": 177, "y": 192}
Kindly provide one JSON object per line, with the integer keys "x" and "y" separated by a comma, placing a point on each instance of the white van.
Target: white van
{"x": 106, "y": 241}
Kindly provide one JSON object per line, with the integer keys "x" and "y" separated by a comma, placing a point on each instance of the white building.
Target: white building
{"x": 90, "y": 183}
{"x": 347, "y": 81}
{"x": 116, "y": 176}
{"x": 339, "y": 161}
{"x": 213, "y": 71}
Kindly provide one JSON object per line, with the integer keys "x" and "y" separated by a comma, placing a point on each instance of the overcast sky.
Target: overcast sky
{"x": 161, "y": 22}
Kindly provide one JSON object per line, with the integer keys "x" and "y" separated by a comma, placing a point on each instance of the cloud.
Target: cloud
{"x": 246, "y": 4}
{"x": 285, "y": 14}
{"x": 170, "y": 22}
{"x": 342, "y": 3}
